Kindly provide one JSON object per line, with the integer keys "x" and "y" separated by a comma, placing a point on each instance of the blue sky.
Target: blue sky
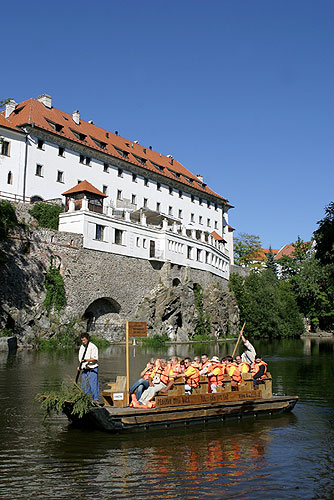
{"x": 240, "y": 91}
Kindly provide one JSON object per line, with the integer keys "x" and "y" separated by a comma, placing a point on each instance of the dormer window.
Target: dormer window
{"x": 99, "y": 144}
{"x": 125, "y": 154}
{"x": 55, "y": 126}
{"x": 78, "y": 135}
{"x": 141, "y": 160}
{"x": 158, "y": 167}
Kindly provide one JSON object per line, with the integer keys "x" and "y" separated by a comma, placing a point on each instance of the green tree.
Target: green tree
{"x": 300, "y": 249}
{"x": 324, "y": 236}
{"x": 267, "y": 305}
{"x": 55, "y": 297}
{"x": 246, "y": 246}
{"x": 271, "y": 264}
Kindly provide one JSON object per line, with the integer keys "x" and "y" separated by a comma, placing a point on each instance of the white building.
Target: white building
{"x": 150, "y": 197}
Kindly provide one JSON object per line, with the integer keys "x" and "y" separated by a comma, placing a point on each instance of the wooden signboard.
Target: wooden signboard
{"x": 137, "y": 328}
{"x": 197, "y": 399}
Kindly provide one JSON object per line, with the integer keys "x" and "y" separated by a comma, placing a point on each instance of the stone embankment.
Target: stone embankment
{"x": 103, "y": 290}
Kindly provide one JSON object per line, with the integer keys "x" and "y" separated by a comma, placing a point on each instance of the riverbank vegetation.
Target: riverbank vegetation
{"x": 273, "y": 301}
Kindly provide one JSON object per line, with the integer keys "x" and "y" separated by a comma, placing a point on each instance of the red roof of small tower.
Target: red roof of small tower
{"x": 84, "y": 186}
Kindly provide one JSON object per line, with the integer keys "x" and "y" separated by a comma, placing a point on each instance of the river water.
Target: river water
{"x": 283, "y": 457}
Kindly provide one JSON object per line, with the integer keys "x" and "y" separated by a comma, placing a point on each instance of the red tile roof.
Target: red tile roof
{"x": 217, "y": 236}
{"x": 261, "y": 254}
{"x": 32, "y": 112}
{"x": 285, "y": 250}
{"x": 84, "y": 187}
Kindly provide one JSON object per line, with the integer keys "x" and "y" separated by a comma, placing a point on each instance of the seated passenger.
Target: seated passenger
{"x": 161, "y": 379}
{"x": 197, "y": 362}
{"x": 233, "y": 371}
{"x": 191, "y": 376}
{"x": 244, "y": 367}
{"x": 258, "y": 370}
{"x": 142, "y": 384}
{"x": 205, "y": 364}
{"x": 215, "y": 374}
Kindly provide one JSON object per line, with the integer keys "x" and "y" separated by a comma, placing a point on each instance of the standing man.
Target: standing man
{"x": 248, "y": 356}
{"x": 88, "y": 358}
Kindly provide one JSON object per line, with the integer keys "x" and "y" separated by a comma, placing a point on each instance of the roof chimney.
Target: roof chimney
{"x": 91, "y": 122}
{"x": 76, "y": 116}
{"x": 199, "y": 177}
{"x": 46, "y": 100}
{"x": 10, "y": 106}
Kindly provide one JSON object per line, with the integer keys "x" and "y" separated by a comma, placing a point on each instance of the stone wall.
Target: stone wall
{"x": 103, "y": 289}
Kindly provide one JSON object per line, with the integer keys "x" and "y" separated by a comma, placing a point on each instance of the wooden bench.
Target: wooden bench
{"x": 116, "y": 394}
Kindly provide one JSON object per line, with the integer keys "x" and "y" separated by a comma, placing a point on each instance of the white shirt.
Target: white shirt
{"x": 249, "y": 355}
{"x": 91, "y": 353}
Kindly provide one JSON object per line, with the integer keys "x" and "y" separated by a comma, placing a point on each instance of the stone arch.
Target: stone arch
{"x": 36, "y": 199}
{"x": 102, "y": 315}
{"x": 176, "y": 282}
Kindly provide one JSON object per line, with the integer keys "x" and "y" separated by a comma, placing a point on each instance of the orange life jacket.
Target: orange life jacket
{"x": 164, "y": 374}
{"x": 193, "y": 380}
{"x": 206, "y": 364}
{"x": 255, "y": 368}
{"x": 196, "y": 365}
{"x": 235, "y": 372}
{"x": 148, "y": 371}
{"x": 218, "y": 378}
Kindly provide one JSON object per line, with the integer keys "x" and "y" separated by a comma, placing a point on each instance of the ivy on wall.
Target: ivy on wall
{"x": 46, "y": 215}
{"x": 203, "y": 327}
{"x": 55, "y": 290}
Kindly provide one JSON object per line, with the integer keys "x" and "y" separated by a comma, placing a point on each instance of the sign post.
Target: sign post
{"x": 133, "y": 329}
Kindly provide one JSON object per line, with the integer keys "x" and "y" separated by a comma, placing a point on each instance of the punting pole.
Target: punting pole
{"x": 236, "y": 345}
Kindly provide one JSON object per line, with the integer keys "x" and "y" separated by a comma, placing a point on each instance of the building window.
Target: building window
{"x": 216, "y": 224}
{"x": 10, "y": 178}
{"x": 134, "y": 178}
{"x": 85, "y": 160}
{"x": 193, "y": 198}
{"x": 119, "y": 194}
{"x": 118, "y": 237}
{"x": 170, "y": 210}
{"x": 200, "y": 201}
{"x": 39, "y": 170}
{"x": 61, "y": 152}
{"x": 144, "y": 243}
{"x": 99, "y": 230}
{"x": 106, "y": 168}
{"x": 192, "y": 217}
{"x": 208, "y": 222}
{"x": 206, "y": 257}
{"x": 216, "y": 206}
{"x": 200, "y": 219}
{"x": 189, "y": 252}
{"x": 171, "y": 191}
{"x": 138, "y": 241}
{"x": 5, "y": 148}
{"x": 209, "y": 204}
{"x": 120, "y": 172}
{"x": 133, "y": 199}
{"x": 180, "y": 194}
{"x": 180, "y": 214}
{"x": 145, "y": 203}
{"x": 60, "y": 176}
{"x": 40, "y": 144}
{"x": 158, "y": 207}
{"x": 105, "y": 189}
{"x": 158, "y": 186}
{"x": 199, "y": 255}
{"x": 145, "y": 181}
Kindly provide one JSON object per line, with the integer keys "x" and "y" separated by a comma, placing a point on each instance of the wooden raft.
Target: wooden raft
{"x": 116, "y": 394}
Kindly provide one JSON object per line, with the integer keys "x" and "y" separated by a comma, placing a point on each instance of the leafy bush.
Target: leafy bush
{"x": 156, "y": 340}
{"x": 100, "y": 343}
{"x": 201, "y": 337}
{"x": 69, "y": 393}
{"x": 8, "y": 218}
{"x": 46, "y": 215}
{"x": 6, "y": 333}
